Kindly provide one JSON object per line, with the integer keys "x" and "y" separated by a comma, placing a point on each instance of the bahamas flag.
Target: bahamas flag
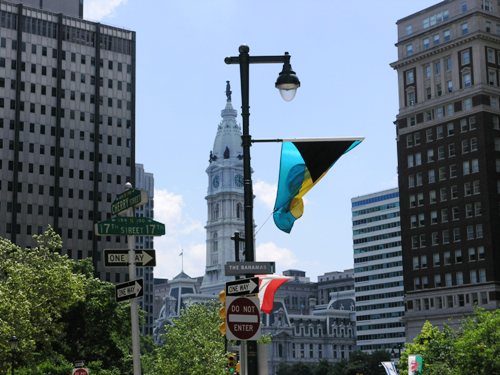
{"x": 303, "y": 163}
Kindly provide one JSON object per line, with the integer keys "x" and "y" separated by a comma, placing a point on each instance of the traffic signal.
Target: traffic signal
{"x": 232, "y": 363}
{"x": 222, "y": 313}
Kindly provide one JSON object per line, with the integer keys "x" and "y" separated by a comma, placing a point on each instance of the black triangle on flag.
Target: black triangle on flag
{"x": 320, "y": 155}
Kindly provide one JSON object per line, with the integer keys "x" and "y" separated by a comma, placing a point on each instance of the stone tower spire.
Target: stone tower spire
{"x": 224, "y": 198}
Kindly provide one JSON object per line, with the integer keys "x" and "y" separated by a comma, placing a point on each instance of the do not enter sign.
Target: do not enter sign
{"x": 80, "y": 371}
{"x": 243, "y": 318}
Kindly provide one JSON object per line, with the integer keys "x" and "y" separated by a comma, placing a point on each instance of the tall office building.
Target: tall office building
{"x": 145, "y": 181}
{"x": 448, "y": 139}
{"x": 224, "y": 199}
{"x": 378, "y": 271}
{"x": 67, "y": 110}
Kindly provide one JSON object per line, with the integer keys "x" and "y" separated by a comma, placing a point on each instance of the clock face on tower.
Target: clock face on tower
{"x": 238, "y": 180}
{"x": 215, "y": 182}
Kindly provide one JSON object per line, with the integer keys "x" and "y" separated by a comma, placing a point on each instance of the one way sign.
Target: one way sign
{"x": 119, "y": 258}
{"x": 129, "y": 290}
{"x": 242, "y": 287}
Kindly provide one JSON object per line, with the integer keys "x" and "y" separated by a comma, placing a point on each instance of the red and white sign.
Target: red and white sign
{"x": 243, "y": 318}
{"x": 80, "y": 371}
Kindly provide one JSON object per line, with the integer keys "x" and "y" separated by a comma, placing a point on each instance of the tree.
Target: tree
{"x": 477, "y": 349}
{"x": 98, "y": 328}
{"x": 193, "y": 344}
{"x": 471, "y": 349}
{"x": 36, "y": 287}
{"x": 59, "y": 312}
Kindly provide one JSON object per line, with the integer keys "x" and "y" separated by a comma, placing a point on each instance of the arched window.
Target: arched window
{"x": 239, "y": 210}
{"x": 215, "y": 211}
{"x": 215, "y": 242}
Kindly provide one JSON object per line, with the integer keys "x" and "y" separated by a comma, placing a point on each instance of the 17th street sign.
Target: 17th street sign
{"x": 129, "y": 290}
{"x": 119, "y": 258}
{"x": 130, "y": 226}
{"x": 128, "y": 199}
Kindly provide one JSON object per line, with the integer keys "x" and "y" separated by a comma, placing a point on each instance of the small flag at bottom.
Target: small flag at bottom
{"x": 390, "y": 368}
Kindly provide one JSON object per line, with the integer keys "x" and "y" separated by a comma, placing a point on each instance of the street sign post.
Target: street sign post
{"x": 130, "y": 226}
{"x": 243, "y": 318}
{"x": 129, "y": 198}
{"x": 249, "y": 268}
{"x": 130, "y": 289}
{"x": 119, "y": 258}
{"x": 242, "y": 287}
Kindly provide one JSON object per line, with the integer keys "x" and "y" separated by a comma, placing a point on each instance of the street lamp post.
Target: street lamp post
{"x": 393, "y": 352}
{"x": 287, "y": 82}
{"x": 13, "y": 346}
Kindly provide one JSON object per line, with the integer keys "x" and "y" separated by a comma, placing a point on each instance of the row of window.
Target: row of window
{"x": 372, "y": 219}
{"x": 467, "y": 145}
{"x": 42, "y": 108}
{"x": 112, "y": 121}
{"x": 440, "y": 131}
{"x": 444, "y": 237}
{"x": 443, "y": 173}
{"x": 471, "y": 210}
{"x": 31, "y": 188}
{"x": 383, "y": 207}
{"x": 387, "y": 315}
{"x": 449, "y": 301}
{"x": 41, "y": 168}
{"x": 385, "y": 255}
{"x": 447, "y": 258}
{"x": 70, "y": 34}
{"x": 393, "y": 284}
{"x": 367, "y": 249}
{"x": 470, "y": 188}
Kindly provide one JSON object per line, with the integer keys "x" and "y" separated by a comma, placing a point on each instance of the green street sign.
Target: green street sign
{"x": 130, "y": 226}
{"x": 128, "y": 199}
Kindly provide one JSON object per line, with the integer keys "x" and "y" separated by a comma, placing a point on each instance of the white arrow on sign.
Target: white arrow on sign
{"x": 129, "y": 290}
{"x": 143, "y": 258}
{"x": 248, "y": 286}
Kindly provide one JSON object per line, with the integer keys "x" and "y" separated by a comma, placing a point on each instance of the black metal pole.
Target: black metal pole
{"x": 244, "y": 60}
{"x": 12, "y": 364}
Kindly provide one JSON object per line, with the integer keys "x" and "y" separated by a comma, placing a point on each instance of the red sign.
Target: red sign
{"x": 243, "y": 318}
{"x": 80, "y": 371}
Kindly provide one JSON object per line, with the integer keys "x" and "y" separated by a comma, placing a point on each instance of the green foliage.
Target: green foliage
{"x": 36, "y": 287}
{"x": 472, "y": 349}
{"x": 358, "y": 363}
{"x": 59, "y": 312}
{"x": 192, "y": 346}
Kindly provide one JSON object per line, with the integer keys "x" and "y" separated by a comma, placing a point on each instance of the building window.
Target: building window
{"x": 409, "y": 49}
{"x": 465, "y": 28}
{"x": 467, "y": 79}
{"x": 436, "y": 260}
{"x": 465, "y": 57}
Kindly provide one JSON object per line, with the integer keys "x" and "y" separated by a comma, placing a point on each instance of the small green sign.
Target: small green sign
{"x": 130, "y": 226}
{"x": 128, "y": 199}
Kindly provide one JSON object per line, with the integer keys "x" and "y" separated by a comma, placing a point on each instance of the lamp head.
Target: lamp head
{"x": 14, "y": 342}
{"x": 287, "y": 81}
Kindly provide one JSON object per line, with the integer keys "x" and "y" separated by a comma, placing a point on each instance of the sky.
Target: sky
{"x": 340, "y": 50}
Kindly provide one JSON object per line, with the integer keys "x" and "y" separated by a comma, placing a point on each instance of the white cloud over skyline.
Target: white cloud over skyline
{"x": 181, "y": 233}
{"x": 96, "y": 10}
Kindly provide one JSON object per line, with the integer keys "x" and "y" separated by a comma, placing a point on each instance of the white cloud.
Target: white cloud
{"x": 96, "y": 10}
{"x": 283, "y": 257}
{"x": 265, "y": 193}
{"x": 181, "y": 233}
